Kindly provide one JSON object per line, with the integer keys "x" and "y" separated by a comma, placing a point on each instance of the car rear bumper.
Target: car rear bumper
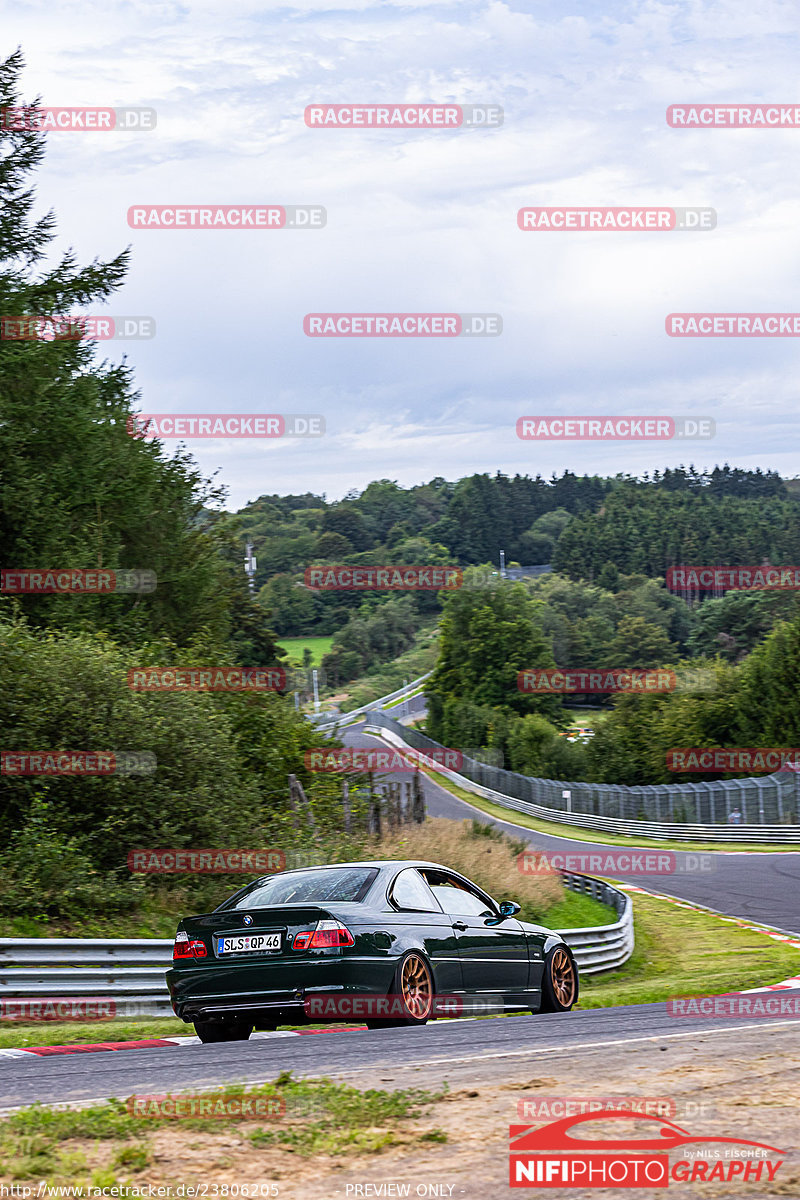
{"x": 274, "y": 989}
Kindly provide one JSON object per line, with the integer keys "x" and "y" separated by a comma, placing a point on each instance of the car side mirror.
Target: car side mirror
{"x": 507, "y": 909}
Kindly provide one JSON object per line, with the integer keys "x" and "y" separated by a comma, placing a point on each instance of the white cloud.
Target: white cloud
{"x": 427, "y": 222}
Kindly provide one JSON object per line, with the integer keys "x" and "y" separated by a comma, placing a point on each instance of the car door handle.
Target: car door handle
{"x": 460, "y": 925}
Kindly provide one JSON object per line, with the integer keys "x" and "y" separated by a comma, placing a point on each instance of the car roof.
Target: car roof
{"x": 378, "y": 863}
{"x": 374, "y": 862}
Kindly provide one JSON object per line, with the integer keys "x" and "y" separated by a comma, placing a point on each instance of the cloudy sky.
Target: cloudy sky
{"x": 425, "y": 221}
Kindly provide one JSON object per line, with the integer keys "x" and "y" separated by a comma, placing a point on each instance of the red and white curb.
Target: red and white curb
{"x": 756, "y": 927}
{"x": 154, "y": 1043}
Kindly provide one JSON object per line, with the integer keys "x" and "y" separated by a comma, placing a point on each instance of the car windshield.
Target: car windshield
{"x": 296, "y": 887}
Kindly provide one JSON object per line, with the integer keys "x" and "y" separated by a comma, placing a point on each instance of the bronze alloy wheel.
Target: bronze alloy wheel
{"x": 562, "y": 976}
{"x": 416, "y": 987}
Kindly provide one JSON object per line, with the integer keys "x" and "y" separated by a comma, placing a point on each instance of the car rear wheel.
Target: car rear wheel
{"x": 559, "y": 982}
{"x": 412, "y": 994}
{"x": 230, "y": 1029}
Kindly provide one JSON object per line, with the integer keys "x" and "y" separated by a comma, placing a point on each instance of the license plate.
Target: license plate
{"x": 248, "y": 943}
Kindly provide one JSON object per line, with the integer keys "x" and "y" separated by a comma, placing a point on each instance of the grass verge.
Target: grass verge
{"x": 578, "y": 834}
{"x": 106, "y": 1145}
{"x": 681, "y": 951}
{"x": 18, "y": 1036}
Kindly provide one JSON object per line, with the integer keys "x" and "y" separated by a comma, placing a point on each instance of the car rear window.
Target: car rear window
{"x": 299, "y": 887}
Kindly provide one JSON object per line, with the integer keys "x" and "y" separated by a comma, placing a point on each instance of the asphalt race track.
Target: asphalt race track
{"x": 760, "y": 886}
{"x": 438, "y": 1049}
{"x": 764, "y": 887}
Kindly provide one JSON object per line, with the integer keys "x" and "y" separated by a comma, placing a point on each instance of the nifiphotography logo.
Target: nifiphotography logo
{"x": 553, "y": 1156}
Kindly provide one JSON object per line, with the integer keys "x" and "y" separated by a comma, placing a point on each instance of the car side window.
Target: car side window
{"x": 458, "y": 902}
{"x": 410, "y": 891}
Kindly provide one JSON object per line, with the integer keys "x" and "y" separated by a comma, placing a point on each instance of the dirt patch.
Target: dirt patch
{"x": 738, "y": 1084}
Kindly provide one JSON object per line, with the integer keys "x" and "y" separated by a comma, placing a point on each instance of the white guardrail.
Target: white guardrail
{"x": 327, "y": 719}
{"x": 126, "y": 977}
{"x": 763, "y": 834}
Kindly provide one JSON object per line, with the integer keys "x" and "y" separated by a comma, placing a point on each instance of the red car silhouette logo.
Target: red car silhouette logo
{"x": 551, "y": 1155}
{"x": 556, "y": 1136}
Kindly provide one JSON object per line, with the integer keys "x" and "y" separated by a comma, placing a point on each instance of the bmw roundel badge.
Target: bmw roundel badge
{"x": 247, "y": 920}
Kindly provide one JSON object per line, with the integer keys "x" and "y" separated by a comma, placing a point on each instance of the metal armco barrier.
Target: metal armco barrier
{"x": 131, "y": 972}
{"x": 325, "y": 720}
{"x": 602, "y": 947}
{"x": 769, "y": 806}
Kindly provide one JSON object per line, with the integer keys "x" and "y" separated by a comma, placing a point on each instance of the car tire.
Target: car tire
{"x": 413, "y": 983}
{"x": 231, "y": 1029}
{"x": 559, "y": 980}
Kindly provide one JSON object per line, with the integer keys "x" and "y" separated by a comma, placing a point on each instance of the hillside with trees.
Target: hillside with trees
{"x": 78, "y": 491}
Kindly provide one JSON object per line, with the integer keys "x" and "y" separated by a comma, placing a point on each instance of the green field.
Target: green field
{"x": 295, "y": 647}
{"x": 590, "y": 717}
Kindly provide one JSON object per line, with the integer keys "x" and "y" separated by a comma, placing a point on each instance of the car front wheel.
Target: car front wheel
{"x": 231, "y": 1029}
{"x": 559, "y": 982}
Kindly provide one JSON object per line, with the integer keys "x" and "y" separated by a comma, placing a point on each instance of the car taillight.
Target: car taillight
{"x": 327, "y": 936}
{"x": 186, "y": 947}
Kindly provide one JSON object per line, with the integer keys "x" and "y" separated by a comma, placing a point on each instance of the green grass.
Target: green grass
{"x": 318, "y": 646}
{"x": 352, "y": 1121}
{"x": 579, "y": 834}
{"x": 575, "y": 911}
{"x": 588, "y": 717}
{"x": 682, "y": 952}
{"x": 321, "y": 1117}
{"x": 16, "y": 1036}
{"x": 402, "y": 699}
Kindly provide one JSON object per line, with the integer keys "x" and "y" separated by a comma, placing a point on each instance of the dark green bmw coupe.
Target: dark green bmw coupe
{"x": 385, "y": 943}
